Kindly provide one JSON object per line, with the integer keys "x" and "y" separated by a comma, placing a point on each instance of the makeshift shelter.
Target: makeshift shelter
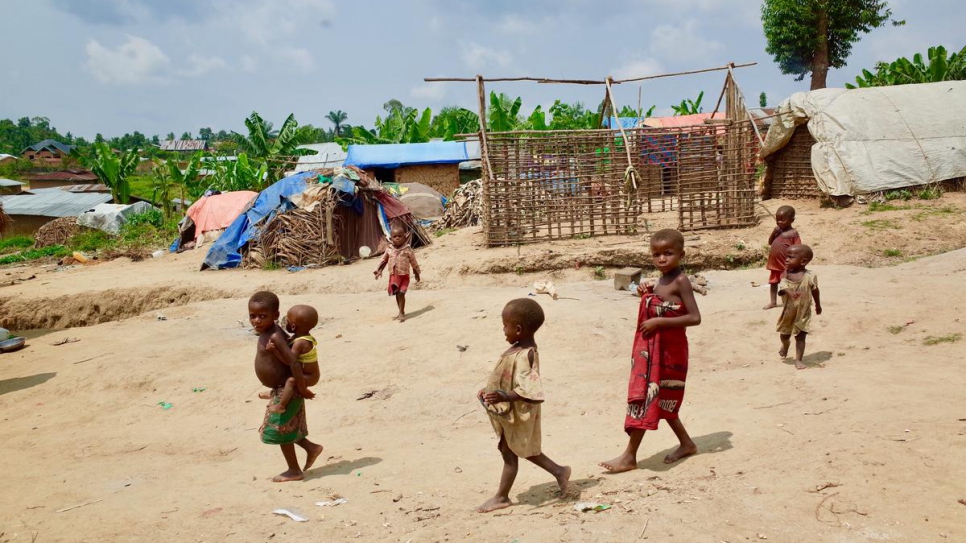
{"x": 313, "y": 218}
{"x": 208, "y": 217}
{"x": 870, "y": 139}
{"x": 434, "y": 164}
{"x": 424, "y": 202}
{"x": 111, "y": 217}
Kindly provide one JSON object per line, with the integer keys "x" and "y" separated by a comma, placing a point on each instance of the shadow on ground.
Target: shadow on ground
{"x": 544, "y": 494}
{"x": 711, "y": 443}
{"x": 342, "y": 467}
{"x": 20, "y": 383}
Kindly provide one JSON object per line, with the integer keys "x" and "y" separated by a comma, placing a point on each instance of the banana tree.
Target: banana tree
{"x": 689, "y": 107}
{"x": 161, "y": 187}
{"x": 454, "y": 120}
{"x": 504, "y": 112}
{"x": 188, "y": 178}
{"x": 941, "y": 66}
{"x": 276, "y": 148}
{"x": 240, "y": 174}
{"x": 113, "y": 170}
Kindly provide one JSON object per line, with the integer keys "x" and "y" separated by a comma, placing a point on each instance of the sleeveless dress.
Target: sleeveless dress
{"x": 520, "y": 425}
{"x": 659, "y": 367}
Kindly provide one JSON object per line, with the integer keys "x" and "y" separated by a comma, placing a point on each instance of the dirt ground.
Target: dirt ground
{"x": 864, "y": 445}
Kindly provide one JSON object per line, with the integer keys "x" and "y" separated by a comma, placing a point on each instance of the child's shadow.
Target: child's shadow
{"x": 342, "y": 467}
{"x": 419, "y": 312}
{"x": 813, "y": 360}
{"x": 546, "y": 493}
{"x": 711, "y": 443}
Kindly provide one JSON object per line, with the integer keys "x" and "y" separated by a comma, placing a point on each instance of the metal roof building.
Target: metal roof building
{"x": 53, "y": 203}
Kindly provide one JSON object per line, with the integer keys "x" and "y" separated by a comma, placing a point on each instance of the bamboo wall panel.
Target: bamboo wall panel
{"x": 791, "y": 168}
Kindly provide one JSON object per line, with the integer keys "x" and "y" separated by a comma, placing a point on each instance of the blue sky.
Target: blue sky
{"x": 115, "y": 66}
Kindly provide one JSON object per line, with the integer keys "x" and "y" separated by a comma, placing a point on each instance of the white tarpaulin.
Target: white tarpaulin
{"x": 878, "y": 138}
{"x": 110, "y": 217}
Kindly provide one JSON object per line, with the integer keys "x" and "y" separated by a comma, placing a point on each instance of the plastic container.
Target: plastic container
{"x": 4, "y": 334}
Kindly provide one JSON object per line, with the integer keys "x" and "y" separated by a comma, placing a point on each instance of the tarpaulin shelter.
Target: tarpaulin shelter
{"x": 111, "y": 217}
{"x": 211, "y": 214}
{"x": 434, "y": 164}
{"x": 874, "y": 139}
{"x": 313, "y": 218}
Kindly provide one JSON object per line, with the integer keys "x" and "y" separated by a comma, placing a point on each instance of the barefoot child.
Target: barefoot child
{"x": 781, "y": 238}
{"x": 660, "y": 357}
{"x": 289, "y": 428}
{"x": 513, "y": 395}
{"x": 400, "y": 258}
{"x": 301, "y": 357}
{"x": 798, "y": 287}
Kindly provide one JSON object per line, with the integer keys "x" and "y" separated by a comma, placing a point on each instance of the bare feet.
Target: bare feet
{"x": 277, "y": 408}
{"x": 563, "y": 480}
{"x": 312, "y": 455}
{"x": 265, "y": 395}
{"x": 401, "y": 317}
{"x": 622, "y": 463}
{"x": 288, "y": 475}
{"x": 783, "y": 352}
{"x": 495, "y": 503}
{"x": 770, "y": 306}
{"x": 799, "y": 365}
{"x": 682, "y": 451}
{"x": 396, "y": 318}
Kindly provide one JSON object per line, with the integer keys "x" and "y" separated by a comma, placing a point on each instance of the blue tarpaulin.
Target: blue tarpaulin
{"x": 406, "y": 154}
{"x": 224, "y": 252}
{"x": 626, "y": 122}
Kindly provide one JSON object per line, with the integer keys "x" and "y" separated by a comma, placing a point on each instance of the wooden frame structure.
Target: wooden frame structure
{"x": 562, "y": 184}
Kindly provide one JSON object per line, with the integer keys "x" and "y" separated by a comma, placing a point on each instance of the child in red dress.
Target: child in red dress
{"x": 781, "y": 238}
{"x": 660, "y": 358}
{"x": 400, "y": 258}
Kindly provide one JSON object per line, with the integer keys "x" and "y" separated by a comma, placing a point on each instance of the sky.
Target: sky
{"x": 159, "y": 66}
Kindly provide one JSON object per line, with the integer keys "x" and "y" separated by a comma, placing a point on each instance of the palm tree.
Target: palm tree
{"x": 337, "y": 117}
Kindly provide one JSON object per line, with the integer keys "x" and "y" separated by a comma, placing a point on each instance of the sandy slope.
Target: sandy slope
{"x": 879, "y": 414}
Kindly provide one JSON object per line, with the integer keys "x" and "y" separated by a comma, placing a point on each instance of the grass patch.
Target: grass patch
{"x": 443, "y": 232}
{"x": 894, "y": 330}
{"x": 740, "y": 246}
{"x": 892, "y": 253}
{"x": 271, "y": 265}
{"x": 930, "y": 193}
{"x": 881, "y": 224}
{"x": 600, "y": 273}
{"x": 935, "y": 212}
{"x": 15, "y": 243}
{"x": 904, "y": 195}
{"x": 91, "y": 241}
{"x": 875, "y": 207}
{"x": 936, "y": 340}
{"x": 582, "y": 236}
{"x": 34, "y": 254}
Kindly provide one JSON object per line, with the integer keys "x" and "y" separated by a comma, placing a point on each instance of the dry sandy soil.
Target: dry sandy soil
{"x": 865, "y": 445}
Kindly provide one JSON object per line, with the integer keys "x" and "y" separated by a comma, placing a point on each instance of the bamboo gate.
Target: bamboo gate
{"x": 562, "y": 184}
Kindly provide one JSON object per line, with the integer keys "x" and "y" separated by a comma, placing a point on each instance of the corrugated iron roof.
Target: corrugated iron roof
{"x": 10, "y": 183}
{"x": 328, "y": 155}
{"x": 59, "y": 203}
{"x": 184, "y": 145}
{"x": 64, "y": 175}
{"x": 53, "y": 145}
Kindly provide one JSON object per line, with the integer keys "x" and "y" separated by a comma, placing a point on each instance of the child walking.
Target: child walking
{"x": 399, "y": 257}
{"x": 798, "y": 288}
{"x": 288, "y": 428}
{"x": 660, "y": 357}
{"x": 512, "y": 397}
{"x": 781, "y": 238}
{"x": 300, "y": 355}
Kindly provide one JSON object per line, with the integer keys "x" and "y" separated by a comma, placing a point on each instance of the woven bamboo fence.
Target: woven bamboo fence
{"x": 791, "y": 169}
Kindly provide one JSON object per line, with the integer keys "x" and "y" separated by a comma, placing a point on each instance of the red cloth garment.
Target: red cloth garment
{"x": 779, "y": 247}
{"x": 659, "y": 367}
{"x": 775, "y": 277}
{"x": 398, "y": 284}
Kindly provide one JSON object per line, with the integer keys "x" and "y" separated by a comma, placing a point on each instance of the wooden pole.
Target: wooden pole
{"x": 611, "y": 81}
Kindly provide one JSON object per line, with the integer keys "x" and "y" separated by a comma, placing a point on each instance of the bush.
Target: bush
{"x": 15, "y": 243}
{"x": 91, "y": 240}
{"x": 33, "y": 254}
{"x": 153, "y": 217}
{"x": 903, "y": 195}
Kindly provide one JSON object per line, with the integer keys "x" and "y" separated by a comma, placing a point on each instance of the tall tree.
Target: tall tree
{"x": 812, "y": 36}
{"x": 205, "y": 134}
{"x": 337, "y": 117}
{"x": 276, "y": 148}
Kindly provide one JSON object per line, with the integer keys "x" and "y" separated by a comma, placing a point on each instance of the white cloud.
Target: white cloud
{"x": 478, "y": 57}
{"x": 199, "y": 65}
{"x": 514, "y": 24}
{"x": 270, "y": 22}
{"x": 300, "y": 58}
{"x": 638, "y": 68}
{"x": 682, "y": 42}
{"x": 431, "y": 91}
{"x": 248, "y": 63}
{"x": 135, "y": 61}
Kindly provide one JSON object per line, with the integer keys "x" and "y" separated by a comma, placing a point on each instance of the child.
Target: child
{"x": 515, "y": 385}
{"x": 399, "y": 257}
{"x": 660, "y": 357}
{"x": 781, "y": 238}
{"x": 301, "y": 357}
{"x": 798, "y": 287}
{"x": 289, "y": 428}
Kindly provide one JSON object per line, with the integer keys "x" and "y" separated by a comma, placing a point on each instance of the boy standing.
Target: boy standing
{"x": 781, "y": 238}
{"x": 400, "y": 258}
{"x": 660, "y": 358}
{"x": 798, "y": 288}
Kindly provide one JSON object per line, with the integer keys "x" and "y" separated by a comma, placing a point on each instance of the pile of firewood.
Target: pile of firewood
{"x": 464, "y": 209}
{"x": 57, "y": 232}
{"x": 300, "y": 237}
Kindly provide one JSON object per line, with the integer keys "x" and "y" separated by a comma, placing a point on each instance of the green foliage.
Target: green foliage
{"x": 274, "y": 147}
{"x": 933, "y": 212}
{"x": 188, "y": 178}
{"x": 337, "y": 118}
{"x": 151, "y": 217}
{"x": 503, "y": 115}
{"x": 600, "y": 273}
{"x": 881, "y": 224}
{"x": 443, "y": 231}
{"x": 575, "y": 116}
{"x": 34, "y": 254}
{"x": 454, "y": 120}
{"x": 26, "y": 131}
{"x": 689, "y": 107}
{"x": 930, "y": 193}
{"x": 810, "y": 36}
{"x": 892, "y": 253}
{"x": 894, "y": 330}
{"x": 112, "y": 169}
{"x": 89, "y": 241}
{"x": 936, "y": 340}
{"x": 240, "y": 174}
{"x": 903, "y": 195}
{"x": 15, "y": 243}
{"x": 402, "y": 125}
{"x": 939, "y": 66}
{"x": 879, "y": 206}
{"x": 762, "y": 99}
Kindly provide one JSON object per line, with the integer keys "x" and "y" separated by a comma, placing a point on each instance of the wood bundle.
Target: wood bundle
{"x": 57, "y": 232}
{"x": 300, "y": 237}
{"x": 464, "y": 209}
